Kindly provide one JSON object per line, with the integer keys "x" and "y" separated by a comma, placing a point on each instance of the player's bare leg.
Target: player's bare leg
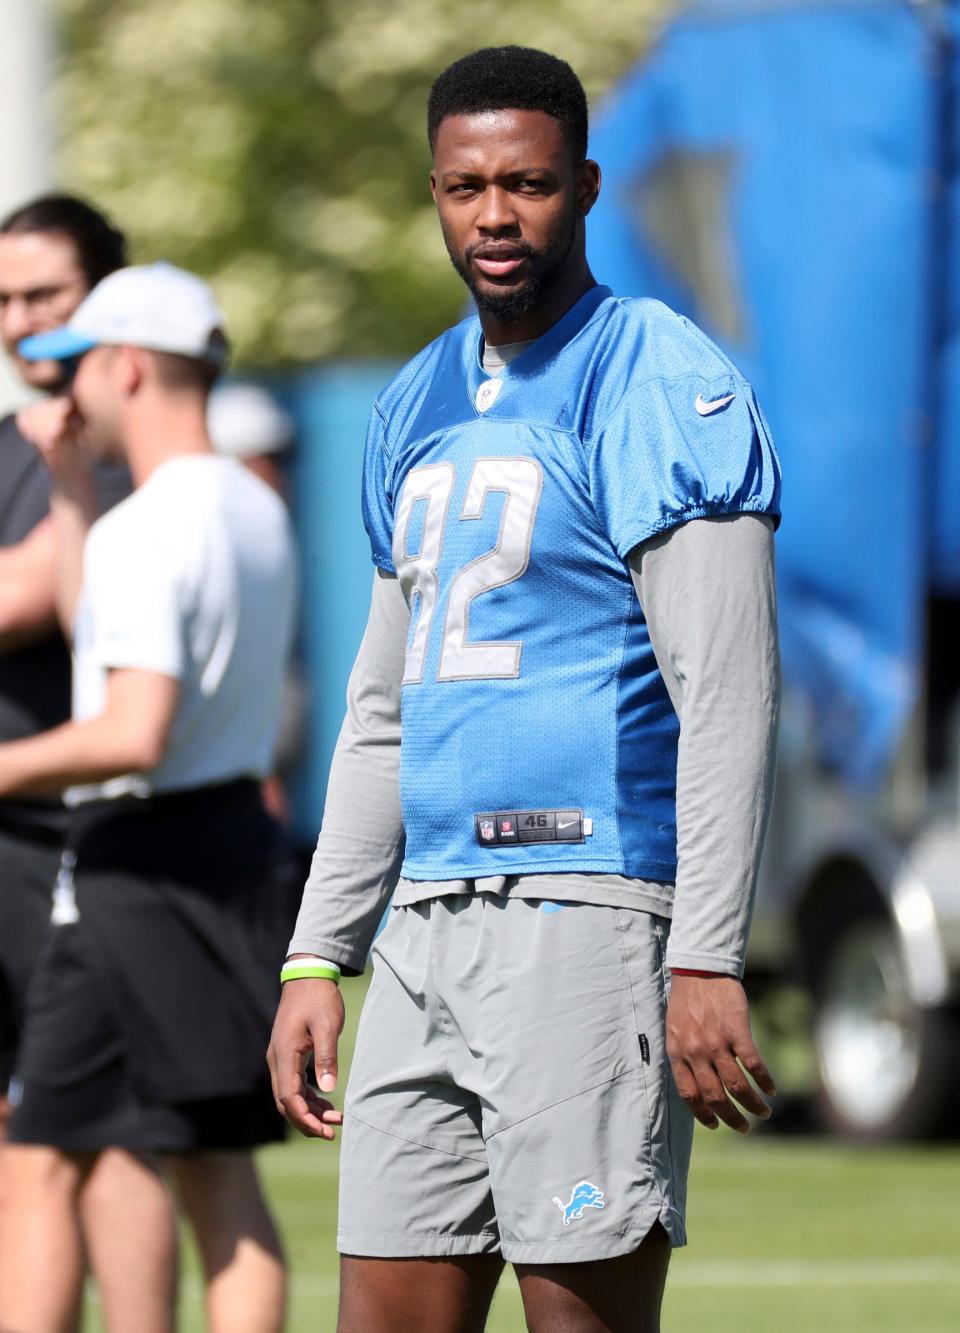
{"x": 42, "y": 1259}
{"x": 409, "y": 1295}
{"x": 621, "y": 1295}
{"x": 240, "y": 1249}
{"x": 129, "y": 1224}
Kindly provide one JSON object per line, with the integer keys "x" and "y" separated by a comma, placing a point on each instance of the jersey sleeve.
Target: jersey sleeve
{"x": 377, "y": 509}
{"x": 133, "y": 591}
{"x": 680, "y": 448}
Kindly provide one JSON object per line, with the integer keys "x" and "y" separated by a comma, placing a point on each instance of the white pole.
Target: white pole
{"x": 26, "y": 129}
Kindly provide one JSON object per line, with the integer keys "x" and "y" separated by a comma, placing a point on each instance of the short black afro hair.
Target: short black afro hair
{"x": 514, "y": 78}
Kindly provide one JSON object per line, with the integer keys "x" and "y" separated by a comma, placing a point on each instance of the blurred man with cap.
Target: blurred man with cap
{"x": 150, "y": 1009}
{"x": 53, "y": 250}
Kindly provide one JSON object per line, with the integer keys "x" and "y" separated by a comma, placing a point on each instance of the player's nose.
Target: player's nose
{"x": 497, "y": 213}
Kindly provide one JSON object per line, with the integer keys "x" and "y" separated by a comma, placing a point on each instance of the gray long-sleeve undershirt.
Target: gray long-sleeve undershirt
{"x": 707, "y": 591}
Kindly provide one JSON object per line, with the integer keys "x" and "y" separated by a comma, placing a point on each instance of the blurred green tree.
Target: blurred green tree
{"x": 279, "y": 149}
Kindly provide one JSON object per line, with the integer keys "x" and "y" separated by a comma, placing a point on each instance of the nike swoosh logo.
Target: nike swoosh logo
{"x": 705, "y": 408}
{"x": 569, "y": 824}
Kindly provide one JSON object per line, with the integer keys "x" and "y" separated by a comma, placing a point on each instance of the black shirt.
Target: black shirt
{"x": 35, "y": 679}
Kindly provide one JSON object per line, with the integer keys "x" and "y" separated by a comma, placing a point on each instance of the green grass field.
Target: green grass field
{"x": 792, "y": 1235}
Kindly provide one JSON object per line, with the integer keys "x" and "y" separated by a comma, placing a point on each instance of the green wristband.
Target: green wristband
{"x": 301, "y": 968}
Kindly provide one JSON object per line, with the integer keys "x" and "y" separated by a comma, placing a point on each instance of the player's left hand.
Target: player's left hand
{"x": 710, "y": 1045}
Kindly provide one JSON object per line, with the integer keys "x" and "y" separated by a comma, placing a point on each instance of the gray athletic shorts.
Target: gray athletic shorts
{"x": 510, "y": 1090}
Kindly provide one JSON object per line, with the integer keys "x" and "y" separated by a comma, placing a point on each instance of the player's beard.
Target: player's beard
{"x": 544, "y": 266}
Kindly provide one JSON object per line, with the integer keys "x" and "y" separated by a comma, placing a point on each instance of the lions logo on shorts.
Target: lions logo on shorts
{"x": 584, "y": 1195}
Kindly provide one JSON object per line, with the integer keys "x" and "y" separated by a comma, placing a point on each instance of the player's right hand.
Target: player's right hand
{"x": 711, "y": 1050}
{"x": 309, "y": 1022}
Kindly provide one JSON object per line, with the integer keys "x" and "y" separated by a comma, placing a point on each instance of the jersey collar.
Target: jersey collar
{"x": 532, "y": 361}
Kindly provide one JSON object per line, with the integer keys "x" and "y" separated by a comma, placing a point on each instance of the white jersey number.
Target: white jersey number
{"x": 521, "y": 480}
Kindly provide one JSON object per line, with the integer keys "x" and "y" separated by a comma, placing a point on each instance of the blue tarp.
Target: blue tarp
{"x": 770, "y": 170}
{"x": 330, "y": 407}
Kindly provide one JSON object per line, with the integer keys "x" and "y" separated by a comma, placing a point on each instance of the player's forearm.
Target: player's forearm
{"x": 725, "y": 776}
{"x": 74, "y": 754}
{"x": 360, "y": 848}
{"x": 711, "y": 605}
{"x": 357, "y": 860}
{"x": 74, "y": 510}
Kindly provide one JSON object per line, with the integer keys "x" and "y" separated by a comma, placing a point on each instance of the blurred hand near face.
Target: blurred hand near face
{"x": 55, "y": 430}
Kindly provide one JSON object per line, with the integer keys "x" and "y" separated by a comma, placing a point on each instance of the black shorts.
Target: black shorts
{"x": 148, "y": 1017}
{"x": 77, "y": 1087}
{"x": 28, "y": 867}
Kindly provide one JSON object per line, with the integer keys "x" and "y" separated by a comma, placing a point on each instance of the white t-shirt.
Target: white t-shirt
{"x": 193, "y": 576}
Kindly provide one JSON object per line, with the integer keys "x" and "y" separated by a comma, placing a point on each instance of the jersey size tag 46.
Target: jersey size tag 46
{"x": 500, "y": 828}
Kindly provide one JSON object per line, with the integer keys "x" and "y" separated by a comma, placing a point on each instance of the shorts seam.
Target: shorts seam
{"x": 414, "y": 1143}
{"x": 636, "y": 1025}
{"x": 668, "y": 1071}
{"x": 559, "y": 1102}
{"x": 655, "y": 1182}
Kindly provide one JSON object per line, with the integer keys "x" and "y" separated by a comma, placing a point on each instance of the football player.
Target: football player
{"x": 570, "y": 500}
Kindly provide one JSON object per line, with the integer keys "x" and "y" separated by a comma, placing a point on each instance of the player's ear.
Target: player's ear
{"x": 433, "y": 185}
{"x": 588, "y": 185}
{"x": 129, "y": 368}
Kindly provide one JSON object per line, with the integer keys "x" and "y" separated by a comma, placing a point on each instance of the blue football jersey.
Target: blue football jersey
{"x": 537, "y": 732}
